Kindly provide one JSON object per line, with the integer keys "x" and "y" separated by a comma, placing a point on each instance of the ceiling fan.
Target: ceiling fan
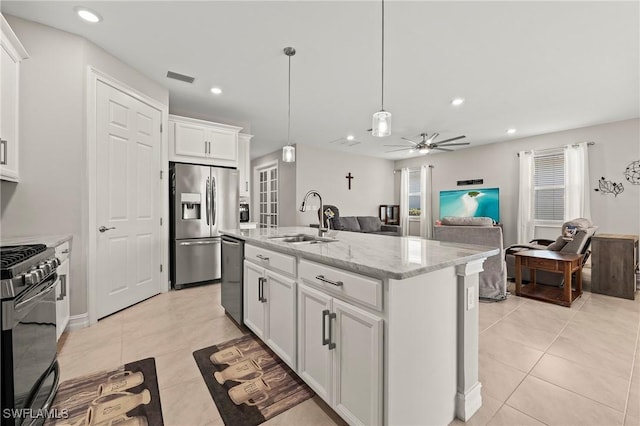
{"x": 427, "y": 144}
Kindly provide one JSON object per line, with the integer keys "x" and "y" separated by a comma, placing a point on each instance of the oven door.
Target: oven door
{"x": 33, "y": 347}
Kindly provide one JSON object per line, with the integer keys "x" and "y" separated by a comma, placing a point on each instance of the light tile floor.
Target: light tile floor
{"x": 538, "y": 363}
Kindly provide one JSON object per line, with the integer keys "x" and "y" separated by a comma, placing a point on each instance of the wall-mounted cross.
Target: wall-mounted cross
{"x": 349, "y": 177}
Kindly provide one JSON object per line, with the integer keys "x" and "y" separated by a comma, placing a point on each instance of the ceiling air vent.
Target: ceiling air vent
{"x": 181, "y": 77}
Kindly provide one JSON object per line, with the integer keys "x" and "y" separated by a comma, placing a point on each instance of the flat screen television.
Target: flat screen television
{"x": 482, "y": 202}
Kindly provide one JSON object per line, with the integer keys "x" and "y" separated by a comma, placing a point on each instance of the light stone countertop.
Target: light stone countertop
{"x": 48, "y": 240}
{"x": 379, "y": 256}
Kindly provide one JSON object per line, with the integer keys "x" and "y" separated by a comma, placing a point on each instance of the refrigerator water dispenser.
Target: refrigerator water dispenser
{"x": 190, "y": 206}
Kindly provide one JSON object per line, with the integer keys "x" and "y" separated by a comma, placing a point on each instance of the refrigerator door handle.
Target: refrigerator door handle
{"x": 207, "y": 202}
{"x": 213, "y": 200}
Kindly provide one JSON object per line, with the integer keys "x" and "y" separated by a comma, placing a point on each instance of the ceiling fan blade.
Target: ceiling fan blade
{"x": 408, "y": 147}
{"x": 455, "y": 144}
{"x": 432, "y": 137}
{"x": 413, "y": 142}
{"x": 451, "y": 140}
{"x": 442, "y": 149}
{"x": 402, "y": 149}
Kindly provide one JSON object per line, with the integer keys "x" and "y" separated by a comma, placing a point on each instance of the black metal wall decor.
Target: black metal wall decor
{"x": 632, "y": 173}
{"x": 609, "y": 187}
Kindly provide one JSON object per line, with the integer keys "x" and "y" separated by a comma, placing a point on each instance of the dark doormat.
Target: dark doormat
{"x": 126, "y": 396}
{"x": 248, "y": 382}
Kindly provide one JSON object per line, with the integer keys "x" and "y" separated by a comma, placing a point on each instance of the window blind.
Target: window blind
{"x": 549, "y": 186}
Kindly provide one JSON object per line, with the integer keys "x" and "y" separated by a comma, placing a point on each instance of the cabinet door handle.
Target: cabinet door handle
{"x": 261, "y": 257}
{"x": 205, "y": 147}
{"x": 332, "y": 345}
{"x": 65, "y": 251}
{"x": 3, "y": 151}
{"x": 63, "y": 287}
{"x": 325, "y": 314}
{"x": 261, "y": 290}
{"x": 246, "y": 186}
{"x": 323, "y": 279}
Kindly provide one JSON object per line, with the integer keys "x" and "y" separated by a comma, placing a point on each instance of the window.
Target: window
{"x": 268, "y": 193}
{"x": 414, "y": 193}
{"x": 548, "y": 187}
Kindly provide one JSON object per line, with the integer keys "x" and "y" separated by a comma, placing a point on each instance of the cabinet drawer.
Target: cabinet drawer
{"x": 545, "y": 264}
{"x": 271, "y": 259}
{"x": 62, "y": 251}
{"x": 348, "y": 285}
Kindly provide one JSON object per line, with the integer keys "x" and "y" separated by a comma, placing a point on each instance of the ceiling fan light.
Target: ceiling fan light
{"x": 424, "y": 150}
{"x": 288, "y": 154}
{"x": 381, "y": 126}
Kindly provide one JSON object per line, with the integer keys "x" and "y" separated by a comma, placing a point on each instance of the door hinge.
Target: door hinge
{"x": 160, "y": 127}
{"x": 161, "y": 174}
{"x": 160, "y": 267}
{"x": 160, "y": 221}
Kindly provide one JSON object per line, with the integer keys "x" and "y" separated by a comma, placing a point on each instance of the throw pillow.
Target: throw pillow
{"x": 349, "y": 223}
{"x": 369, "y": 223}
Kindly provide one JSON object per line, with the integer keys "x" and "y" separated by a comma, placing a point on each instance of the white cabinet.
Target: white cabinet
{"x": 11, "y": 53}
{"x": 203, "y": 142}
{"x": 340, "y": 355}
{"x": 62, "y": 289}
{"x": 269, "y": 309}
{"x": 244, "y": 164}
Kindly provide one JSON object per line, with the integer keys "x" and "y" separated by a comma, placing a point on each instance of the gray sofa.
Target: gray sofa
{"x": 480, "y": 231}
{"x": 367, "y": 224}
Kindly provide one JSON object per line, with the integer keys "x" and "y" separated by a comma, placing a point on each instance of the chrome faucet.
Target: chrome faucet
{"x": 303, "y": 208}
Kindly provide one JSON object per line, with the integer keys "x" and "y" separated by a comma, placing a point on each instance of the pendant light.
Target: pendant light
{"x": 289, "y": 151}
{"x": 382, "y": 119}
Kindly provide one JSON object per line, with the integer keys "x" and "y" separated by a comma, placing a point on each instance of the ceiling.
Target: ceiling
{"x": 535, "y": 66}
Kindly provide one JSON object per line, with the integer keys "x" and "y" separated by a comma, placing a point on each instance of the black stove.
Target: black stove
{"x": 13, "y": 255}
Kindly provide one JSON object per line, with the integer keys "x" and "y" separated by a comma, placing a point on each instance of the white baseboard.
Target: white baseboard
{"x": 76, "y": 322}
{"x": 467, "y": 404}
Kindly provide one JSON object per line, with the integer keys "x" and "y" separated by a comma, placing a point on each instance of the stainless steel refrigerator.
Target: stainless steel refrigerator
{"x": 204, "y": 200}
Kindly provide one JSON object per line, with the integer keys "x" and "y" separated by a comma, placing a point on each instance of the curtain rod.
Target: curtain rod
{"x": 431, "y": 166}
{"x": 553, "y": 149}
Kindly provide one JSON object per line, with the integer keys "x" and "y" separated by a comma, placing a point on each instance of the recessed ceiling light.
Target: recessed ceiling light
{"x": 350, "y": 138}
{"x": 88, "y": 15}
{"x": 511, "y": 131}
{"x": 457, "y": 101}
{"x": 216, "y": 90}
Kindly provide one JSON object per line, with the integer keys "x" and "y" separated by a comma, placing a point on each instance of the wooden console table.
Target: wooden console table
{"x": 551, "y": 261}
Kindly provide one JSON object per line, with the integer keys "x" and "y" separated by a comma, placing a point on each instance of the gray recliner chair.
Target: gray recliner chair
{"x": 579, "y": 243}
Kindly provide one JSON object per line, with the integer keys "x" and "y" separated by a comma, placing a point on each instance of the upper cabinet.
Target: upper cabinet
{"x": 244, "y": 164}
{"x": 203, "y": 142}
{"x": 12, "y": 52}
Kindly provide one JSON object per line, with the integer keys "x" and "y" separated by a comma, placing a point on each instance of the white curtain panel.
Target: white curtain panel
{"x": 525, "y": 198}
{"x": 576, "y": 180}
{"x": 404, "y": 200}
{"x": 426, "y": 214}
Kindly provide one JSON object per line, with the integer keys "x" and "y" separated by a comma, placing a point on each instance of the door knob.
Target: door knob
{"x": 105, "y": 229}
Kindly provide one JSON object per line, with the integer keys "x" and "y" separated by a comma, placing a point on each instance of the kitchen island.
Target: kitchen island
{"x": 384, "y": 329}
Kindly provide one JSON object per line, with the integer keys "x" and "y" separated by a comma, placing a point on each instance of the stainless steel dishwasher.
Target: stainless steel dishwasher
{"x": 231, "y": 282}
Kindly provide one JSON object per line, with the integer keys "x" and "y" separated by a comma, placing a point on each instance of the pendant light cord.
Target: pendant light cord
{"x": 289, "y": 114}
{"x": 382, "y": 106}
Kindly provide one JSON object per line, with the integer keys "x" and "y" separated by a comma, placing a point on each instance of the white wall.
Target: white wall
{"x": 325, "y": 170}
{"x": 617, "y": 145}
{"x": 52, "y": 193}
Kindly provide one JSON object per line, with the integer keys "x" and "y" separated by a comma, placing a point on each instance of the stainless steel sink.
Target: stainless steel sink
{"x": 301, "y": 239}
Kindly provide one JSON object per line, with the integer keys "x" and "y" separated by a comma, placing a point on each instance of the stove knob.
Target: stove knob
{"x": 30, "y": 278}
{"x": 45, "y": 268}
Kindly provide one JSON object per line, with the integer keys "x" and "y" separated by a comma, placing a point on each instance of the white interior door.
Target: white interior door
{"x": 128, "y": 149}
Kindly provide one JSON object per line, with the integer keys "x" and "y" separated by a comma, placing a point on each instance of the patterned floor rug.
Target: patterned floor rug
{"x": 248, "y": 382}
{"x": 127, "y": 396}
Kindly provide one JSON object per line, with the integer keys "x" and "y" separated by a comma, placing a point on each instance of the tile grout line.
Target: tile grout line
{"x": 633, "y": 364}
